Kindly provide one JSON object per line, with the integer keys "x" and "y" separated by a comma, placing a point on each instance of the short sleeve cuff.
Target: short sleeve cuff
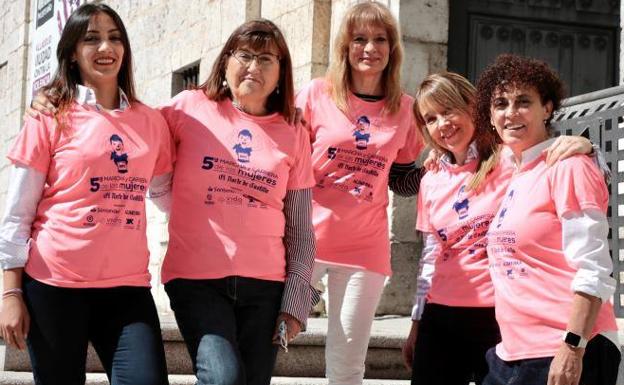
{"x": 591, "y": 283}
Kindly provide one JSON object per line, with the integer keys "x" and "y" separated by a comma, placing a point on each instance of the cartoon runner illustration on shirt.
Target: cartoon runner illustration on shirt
{"x": 361, "y": 134}
{"x": 243, "y": 147}
{"x": 461, "y": 205}
{"x": 118, "y": 156}
{"x": 506, "y": 203}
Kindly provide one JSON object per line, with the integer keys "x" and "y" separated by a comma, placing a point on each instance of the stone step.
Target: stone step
{"x": 25, "y": 378}
{"x": 305, "y": 357}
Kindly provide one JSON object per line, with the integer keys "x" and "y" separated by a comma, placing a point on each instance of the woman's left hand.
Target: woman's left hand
{"x": 297, "y": 117}
{"x": 292, "y": 324}
{"x": 566, "y": 366}
{"x": 565, "y": 146}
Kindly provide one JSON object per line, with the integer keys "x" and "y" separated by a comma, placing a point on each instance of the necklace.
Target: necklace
{"x": 239, "y": 107}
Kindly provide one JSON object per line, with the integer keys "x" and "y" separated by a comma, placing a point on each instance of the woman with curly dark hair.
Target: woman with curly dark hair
{"x": 453, "y": 316}
{"x": 547, "y": 245}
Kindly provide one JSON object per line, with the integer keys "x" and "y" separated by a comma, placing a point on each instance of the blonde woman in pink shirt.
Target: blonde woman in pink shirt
{"x": 72, "y": 242}
{"x": 360, "y": 125}
{"x": 547, "y": 245}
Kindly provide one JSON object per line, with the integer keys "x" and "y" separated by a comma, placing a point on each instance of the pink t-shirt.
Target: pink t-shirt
{"x": 531, "y": 275}
{"x": 352, "y": 156}
{"x": 89, "y": 230}
{"x": 231, "y": 175}
{"x": 460, "y": 220}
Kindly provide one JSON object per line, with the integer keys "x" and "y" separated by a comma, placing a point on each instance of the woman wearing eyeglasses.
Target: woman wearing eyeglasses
{"x": 241, "y": 244}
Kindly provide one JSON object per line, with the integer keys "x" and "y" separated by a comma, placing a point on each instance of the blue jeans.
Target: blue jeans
{"x": 228, "y": 325}
{"x": 600, "y": 366}
{"x": 121, "y": 323}
{"x": 521, "y": 372}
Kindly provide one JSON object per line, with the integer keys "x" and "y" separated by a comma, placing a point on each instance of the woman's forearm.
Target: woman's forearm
{"x": 583, "y": 314}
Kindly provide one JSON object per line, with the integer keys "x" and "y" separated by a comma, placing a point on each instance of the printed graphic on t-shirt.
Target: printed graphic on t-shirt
{"x": 118, "y": 155}
{"x": 242, "y": 148}
{"x": 356, "y": 174}
{"x": 356, "y": 170}
{"x": 461, "y": 204}
{"x": 119, "y": 193}
{"x": 502, "y": 246}
{"x": 237, "y": 181}
{"x": 504, "y": 207}
{"x": 362, "y": 132}
{"x": 468, "y": 232}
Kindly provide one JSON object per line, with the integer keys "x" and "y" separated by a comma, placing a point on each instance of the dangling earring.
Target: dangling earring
{"x": 224, "y": 83}
{"x": 493, "y": 128}
{"x": 277, "y": 89}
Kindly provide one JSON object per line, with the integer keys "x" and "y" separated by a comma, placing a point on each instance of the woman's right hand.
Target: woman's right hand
{"x": 431, "y": 163}
{"x": 41, "y": 103}
{"x": 14, "y": 321}
{"x": 410, "y": 344}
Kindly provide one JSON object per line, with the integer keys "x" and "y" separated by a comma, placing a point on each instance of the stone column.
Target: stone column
{"x": 305, "y": 25}
{"x": 15, "y": 16}
{"x": 424, "y": 29}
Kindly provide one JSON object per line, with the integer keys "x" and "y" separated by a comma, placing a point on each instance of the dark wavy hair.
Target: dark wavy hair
{"x": 258, "y": 34}
{"x": 62, "y": 88}
{"x": 510, "y": 71}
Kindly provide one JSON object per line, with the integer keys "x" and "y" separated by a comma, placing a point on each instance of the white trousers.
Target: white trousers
{"x": 351, "y": 296}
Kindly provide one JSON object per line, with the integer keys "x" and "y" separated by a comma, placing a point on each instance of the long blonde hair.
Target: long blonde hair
{"x": 339, "y": 72}
{"x": 452, "y": 91}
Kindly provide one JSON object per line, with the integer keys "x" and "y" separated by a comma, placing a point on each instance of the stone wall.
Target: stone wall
{"x": 14, "y": 17}
{"x": 424, "y": 27}
{"x": 169, "y": 35}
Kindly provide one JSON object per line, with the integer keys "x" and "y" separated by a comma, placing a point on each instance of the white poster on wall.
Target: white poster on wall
{"x": 48, "y": 19}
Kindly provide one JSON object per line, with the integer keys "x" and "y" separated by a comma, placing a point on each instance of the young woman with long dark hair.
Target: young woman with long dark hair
{"x": 72, "y": 242}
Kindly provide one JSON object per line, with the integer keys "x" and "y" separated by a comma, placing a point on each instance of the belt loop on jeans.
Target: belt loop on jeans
{"x": 231, "y": 287}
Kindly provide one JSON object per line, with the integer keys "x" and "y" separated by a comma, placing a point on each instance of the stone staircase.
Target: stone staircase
{"x": 304, "y": 364}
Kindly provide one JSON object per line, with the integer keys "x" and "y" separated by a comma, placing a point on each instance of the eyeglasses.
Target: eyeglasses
{"x": 264, "y": 60}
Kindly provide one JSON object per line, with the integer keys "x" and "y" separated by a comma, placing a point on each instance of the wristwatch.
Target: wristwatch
{"x": 574, "y": 340}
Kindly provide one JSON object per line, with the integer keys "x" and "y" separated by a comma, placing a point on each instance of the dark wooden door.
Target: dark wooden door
{"x": 579, "y": 38}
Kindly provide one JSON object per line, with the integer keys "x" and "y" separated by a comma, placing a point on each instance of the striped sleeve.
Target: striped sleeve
{"x": 404, "y": 178}
{"x": 299, "y": 295}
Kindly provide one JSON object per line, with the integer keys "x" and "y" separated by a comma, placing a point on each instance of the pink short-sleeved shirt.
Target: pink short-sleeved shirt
{"x": 89, "y": 230}
{"x": 531, "y": 276}
{"x": 231, "y": 175}
{"x": 351, "y": 156}
{"x": 460, "y": 220}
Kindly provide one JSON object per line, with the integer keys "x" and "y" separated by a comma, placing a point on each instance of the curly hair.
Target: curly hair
{"x": 510, "y": 71}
